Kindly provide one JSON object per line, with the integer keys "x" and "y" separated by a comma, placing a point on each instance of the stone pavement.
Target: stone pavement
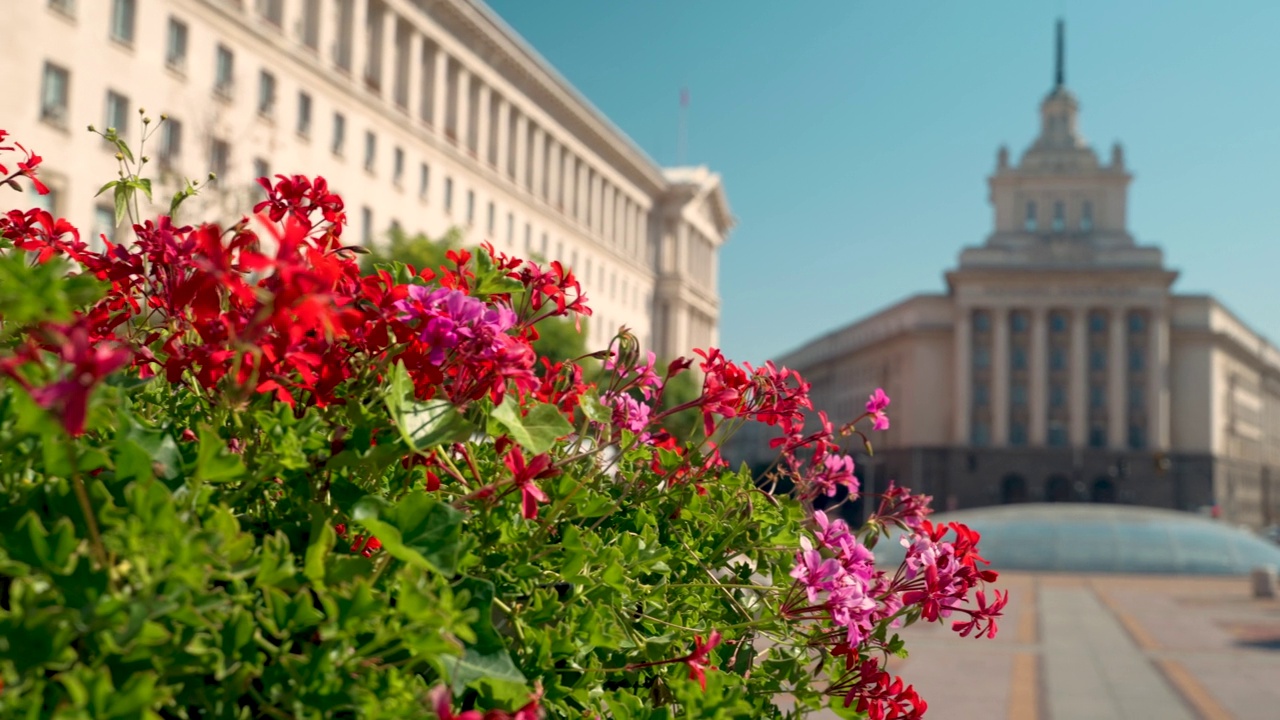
{"x": 1107, "y": 647}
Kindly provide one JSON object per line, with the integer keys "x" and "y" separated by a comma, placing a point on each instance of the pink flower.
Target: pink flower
{"x": 698, "y": 660}
{"x": 876, "y": 404}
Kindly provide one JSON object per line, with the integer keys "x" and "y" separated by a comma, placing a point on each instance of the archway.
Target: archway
{"x": 1104, "y": 490}
{"x": 1057, "y": 489}
{"x": 1013, "y": 489}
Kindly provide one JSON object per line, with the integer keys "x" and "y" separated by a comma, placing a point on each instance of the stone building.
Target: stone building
{"x": 427, "y": 114}
{"x": 1060, "y": 365}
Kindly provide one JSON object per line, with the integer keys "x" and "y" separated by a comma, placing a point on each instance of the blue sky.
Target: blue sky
{"x": 855, "y": 138}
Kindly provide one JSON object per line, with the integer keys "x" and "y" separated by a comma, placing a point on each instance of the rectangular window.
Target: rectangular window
{"x": 175, "y": 52}
{"x": 528, "y": 238}
{"x": 224, "y": 70}
{"x": 1137, "y": 359}
{"x": 272, "y": 11}
{"x": 981, "y": 394}
{"x": 266, "y": 94}
{"x": 1059, "y": 217}
{"x": 979, "y": 434}
{"x": 104, "y": 223}
{"x": 339, "y": 134}
{"x": 1057, "y": 322}
{"x": 1018, "y": 394}
{"x": 304, "y": 114}
{"x": 261, "y": 169}
{"x": 311, "y": 24}
{"x": 981, "y": 357}
{"x": 1018, "y": 321}
{"x": 492, "y": 223}
{"x": 424, "y": 180}
{"x": 53, "y": 95}
{"x": 448, "y": 194}
{"x": 1030, "y": 223}
{"x": 1057, "y": 395}
{"x": 170, "y": 142}
{"x": 122, "y": 16}
{"x": 1137, "y": 436}
{"x": 1137, "y": 322}
{"x": 397, "y": 167}
{"x": 117, "y": 113}
{"x": 1137, "y": 398}
{"x": 981, "y": 321}
{"x": 370, "y": 150}
{"x": 471, "y": 207}
{"x": 1097, "y": 396}
{"x": 1057, "y": 435}
{"x": 219, "y": 157}
{"x": 1097, "y": 435}
{"x": 1086, "y": 216}
{"x": 1017, "y": 434}
{"x": 1057, "y": 359}
{"x": 1018, "y": 359}
{"x": 66, "y": 7}
{"x": 366, "y": 225}
{"x": 1097, "y": 322}
{"x": 511, "y": 229}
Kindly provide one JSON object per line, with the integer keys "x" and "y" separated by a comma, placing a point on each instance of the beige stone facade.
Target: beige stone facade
{"x": 1060, "y": 365}
{"x": 427, "y": 114}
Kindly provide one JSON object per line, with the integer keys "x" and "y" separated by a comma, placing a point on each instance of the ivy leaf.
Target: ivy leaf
{"x": 595, "y": 410}
{"x": 419, "y": 530}
{"x": 475, "y": 665}
{"x": 213, "y": 462}
{"x": 423, "y": 424}
{"x": 323, "y": 539}
{"x": 537, "y": 430}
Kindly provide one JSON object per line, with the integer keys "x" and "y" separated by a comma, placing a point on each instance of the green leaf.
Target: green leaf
{"x": 122, "y": 203}
{"x": 481, "y": 592}
{"x": 213, "y": 462}
{"x": 422, "y": 424}
{"x": 537, "y": 430}
{"x": 419, "y": 530}
{"x": 594, "y": 409}
{"x": 323, "y": 539}
{"x": 106, "y": 187}
{"x": 145, "y": 185}
{"x": 475, "y": 665}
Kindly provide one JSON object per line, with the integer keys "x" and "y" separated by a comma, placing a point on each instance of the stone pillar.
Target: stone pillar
{"x": 327, "y": 21}
{"x": 1077, "y": 387}
{"x": 580, "y": 193}
{"x": 462, "y": 117}
{"x": 482, "y": 122}
{"x": 439, "y": 89}
{"x": 963, "y": 363}
{"x": 387, "y": 72}
{"x": 999, "y": 377}
{"x": 504, "y": 137}
{"x": 1117, "y": 369}
{"x": 413, "y": 98}
{"x": 1039, "y": 377}
{"x": 1158, "y": 379}
{"x": 538, "y": 187}
{"x": 553, "y": 168}
{"x": 522, "y": 150}
{"x": 606, "y": 212}
{"x": 359, "y": 41}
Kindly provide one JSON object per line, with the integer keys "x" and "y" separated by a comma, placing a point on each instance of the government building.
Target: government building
{"x": 1060, "y": 365}
{"x": 423, "y": 114}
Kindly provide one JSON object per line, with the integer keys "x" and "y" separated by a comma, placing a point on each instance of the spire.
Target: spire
{"x": 1060, "y": 71}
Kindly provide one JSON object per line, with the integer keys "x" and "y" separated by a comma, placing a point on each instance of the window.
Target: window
{"x": 219, "y": 157}
{"x": 528, "y": 238}
{"x": 122, "y": 12}
{"x": 1097, "y": 435}
{"x": 979, "y": 434}
{"x": 266, "y": 94}
{"x": 311, "y": 24}
{"x": 1017, "y": 434}
{"x": 1030, "y": 223}
{"x": 261, "y": 169}
{"x": 1137, "y": 436}
{"x": 1018, "y": 358}
{"x": 370, "y": 150}
{"x": 1137, "y": 322}
{"x": 170, "y": 142}
{"x": 1018, "y": 393}
{"x": 366, "y": 225}
{"x": 175, "y": 53}
{"x": 339, "y": 133}
{"x": 424, "y": 180}
{"x": 1137, "y": 359}
{"x": 1137, "y": 398}
{"x": 66, "y": 7}
{"x": 544, "y": 245}
{"x": 1057, "y": 358}
{"x": 1097, "y": 396}
{"x": 448, "y": 194}
{"x": 53, "y": 95}
{"x": 981, "y": 321}
{"x": 1057, "y": 395}
{"x": 1098, "y": 359}
{"x": 104, "y": 223}
{"x": 1057, "y": 435}
{"x": 1097, "y": 321}
{"x": 1018, "y": 321}
{"x": 493, "y": 221}
{"x": 1059, "y": 216}
{"x": 272, "y": 11}
{"x": 1057, "y": 321}
{"x": 511, "y": 229}
{"x": 981, "y": 394}
{"x": 981, "y": 357}
{"x": 117, "y": 112}
{"x": 471, "y": 207}
{"x": 224, "y": 72}
{"x": 397, "y": 166}
{"x": 1086, "y": 216}
{"x": 304, "y": 114}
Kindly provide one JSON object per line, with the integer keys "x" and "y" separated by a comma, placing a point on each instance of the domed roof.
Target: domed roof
{"x": 1066, "y": 537}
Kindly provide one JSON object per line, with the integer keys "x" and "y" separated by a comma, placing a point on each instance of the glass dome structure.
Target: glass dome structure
{"x": 1090, "y": 538}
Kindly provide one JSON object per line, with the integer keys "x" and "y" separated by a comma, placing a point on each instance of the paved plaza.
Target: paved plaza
{"x": 1108, "y": 647}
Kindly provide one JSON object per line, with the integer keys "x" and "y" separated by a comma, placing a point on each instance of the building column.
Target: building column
{"x": 504, "y": 137}
{"x": 1000, "y": 377}
{"x": 522, "y": 150}
{"x": 1117, "y": 369}
{"x": 963, "y": 363}
{"x": 538, "y": 187}
{"x": 327, "y": 21}
{"x": 568, "y": 181}
{"x": 359, "y": 41}
{"x": 439, "y": 87}
{"x": 387, "y": 72}
{"x": 606, "y": 213}
{"x": 1158, "y": 377}
{"x": 413, "y": 96}
{"x": 1039, "y": 378}
{"x": 483, "y": 114}
{"x": 462, "y": 97}
{"x": 1077, "y": 386}
{"x": 553, "y": 168}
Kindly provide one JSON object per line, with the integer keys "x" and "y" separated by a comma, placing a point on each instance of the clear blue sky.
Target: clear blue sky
{"x": 855, "y": 137}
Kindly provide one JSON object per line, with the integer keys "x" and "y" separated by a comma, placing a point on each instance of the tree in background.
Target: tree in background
{"x": 559, "y": 339}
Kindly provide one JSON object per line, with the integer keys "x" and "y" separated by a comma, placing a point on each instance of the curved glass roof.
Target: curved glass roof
{"x": 1068, "y": 537}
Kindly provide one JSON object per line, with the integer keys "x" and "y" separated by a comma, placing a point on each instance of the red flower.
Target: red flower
{"x": 698, "y": 660}
{"x": 89, "y": 363}
{"x": 523, "y": 476}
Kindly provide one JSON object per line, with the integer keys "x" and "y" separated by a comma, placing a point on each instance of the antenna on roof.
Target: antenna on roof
{"x": 1060, "y": 70}
{"x": 682, "y": 139}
